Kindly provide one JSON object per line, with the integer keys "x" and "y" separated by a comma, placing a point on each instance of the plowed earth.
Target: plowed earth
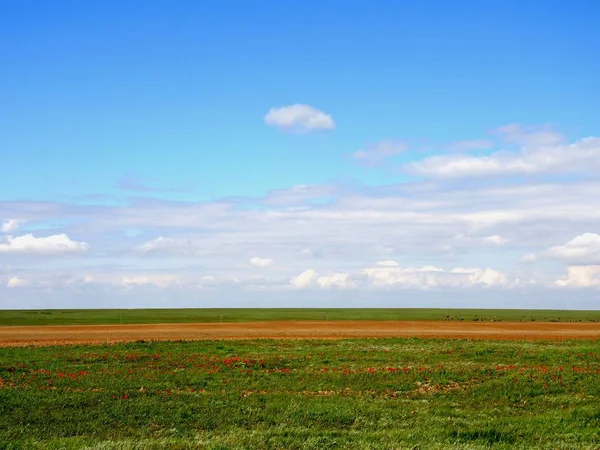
{"x": 97, "y": 334}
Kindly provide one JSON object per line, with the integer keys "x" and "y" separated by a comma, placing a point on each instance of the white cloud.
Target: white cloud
{"x": 10, "y": 226}
{"x": 543, "y": 155}
{"x": 401, "y": 277}
{"x": 431, "y": 276}
{"x": 299, "y": 118}
{"x": 388, "y": 263}
{"x": 358, "y": 226}
{"x": 584, "y": 248}
{"x": 154, "y": 280}
{"x": 392, "y": 275}
{"x": 343, "y": 228}
{"x": 487, "y": 277}
{"x": 56, "y": 244}
{"x": 581, "y": 276}
{"x": 375, "y": 154}
{"x": 163, "y": 245}
{"x": 305, "y": 279}
{"x": 495, "y": 239}
{"x": 16, "y": 282}
{"x": 338, "y": 280}
{"x": 260, "y": 262}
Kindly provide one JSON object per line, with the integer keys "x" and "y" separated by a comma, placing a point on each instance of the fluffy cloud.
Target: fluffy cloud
{"x": 10, "y": 226}
{"x": 584, "y": 248}
{"x": 305, "y": 279}
{"x": 29, "y": 244}
{"x": 377, "y": 153}
{"x": 16, "y": 282}
{"x": 542, "y": 152}
{"x": 495, "y": 239}
{"x": 299, "y": 118}
{"x": 581, "y": 277}
{"x": 260, "y": 262}
{"x": 338, "y": 280}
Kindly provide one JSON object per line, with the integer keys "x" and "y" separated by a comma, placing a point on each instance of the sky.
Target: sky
{"x": 315, "y": 153}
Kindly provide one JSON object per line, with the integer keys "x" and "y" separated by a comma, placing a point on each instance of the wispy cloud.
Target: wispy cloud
{"x": 530, "y": 135}
{"x": 541, "y": 153}
{"x": 376, "y": 153}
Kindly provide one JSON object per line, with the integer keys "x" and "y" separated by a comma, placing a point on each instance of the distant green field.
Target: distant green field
{"x": 257, "y": 394}
{"x": 140, "y": 316}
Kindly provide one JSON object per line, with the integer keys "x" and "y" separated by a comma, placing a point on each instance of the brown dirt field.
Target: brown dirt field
{"x": 98, "y": 334}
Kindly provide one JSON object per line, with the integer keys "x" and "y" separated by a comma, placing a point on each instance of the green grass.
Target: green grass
{"x": 138, "y": 316}
{"x": 366, "y": 394}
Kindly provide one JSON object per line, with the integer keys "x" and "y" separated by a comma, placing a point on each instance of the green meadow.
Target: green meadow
{"x": 139, "y": 316}
{"x": 257, "y": 394}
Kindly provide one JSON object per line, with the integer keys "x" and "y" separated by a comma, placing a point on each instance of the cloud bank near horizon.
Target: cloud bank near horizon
{"x": 431, "y": 235}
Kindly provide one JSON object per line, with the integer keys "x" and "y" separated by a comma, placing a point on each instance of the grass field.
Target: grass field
{"x": 386, "y": 393}
{"x": 140, "y": 316}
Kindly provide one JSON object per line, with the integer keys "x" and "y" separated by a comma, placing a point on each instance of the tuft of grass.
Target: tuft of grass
{"x": 486, "y": 436}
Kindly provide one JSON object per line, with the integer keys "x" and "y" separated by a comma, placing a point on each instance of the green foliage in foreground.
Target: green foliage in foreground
{"x": 388, "y": 393}
{"x": 136, "y": 316}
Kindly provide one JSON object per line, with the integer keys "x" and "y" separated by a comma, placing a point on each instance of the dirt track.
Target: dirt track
{"x": 56, "y": 335}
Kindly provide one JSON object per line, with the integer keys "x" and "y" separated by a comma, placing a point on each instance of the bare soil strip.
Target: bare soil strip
{"x": 98, "y": 334}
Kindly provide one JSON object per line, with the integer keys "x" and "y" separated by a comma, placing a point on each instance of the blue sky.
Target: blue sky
{"x": 139, "y": 153}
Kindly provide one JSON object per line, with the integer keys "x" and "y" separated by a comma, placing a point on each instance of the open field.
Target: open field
{"x": 94, "y": 334}
{"x": 141, "y": 316}
{"x": 369, "y": 394}
{"x": 502, "y": 379}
